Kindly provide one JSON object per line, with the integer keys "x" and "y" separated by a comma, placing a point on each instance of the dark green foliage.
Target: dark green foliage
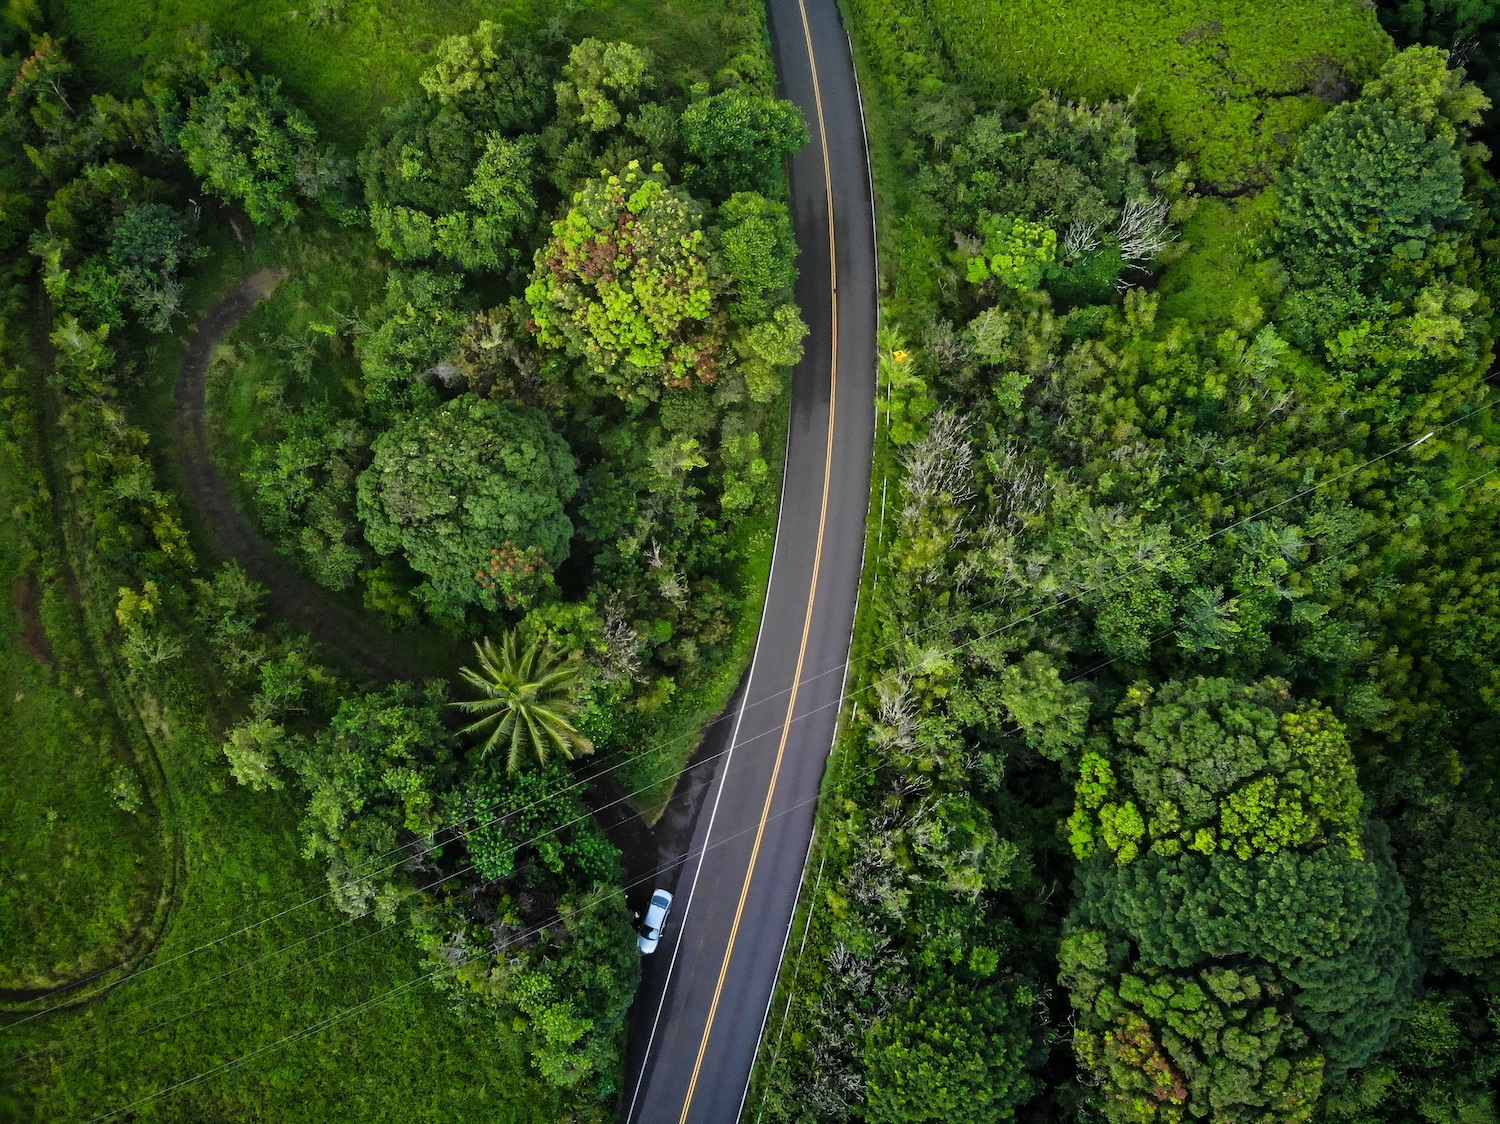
{"x": 149, "y": 244}
{"x": 376, "y": 771}
{"x": 532, "y": 815}
{"x": 949, "y": 1055}
{"x": 740, "y": 142}
{"x": 250, "y": 145}
{"x": 305, "y": 491}
{"x": 451, "y": 484}
{"x": 449, "y": 176}
{"x": 420, "y": 325}
{"x": 1379, "y": 179}
{"x": 1460, "y": 888}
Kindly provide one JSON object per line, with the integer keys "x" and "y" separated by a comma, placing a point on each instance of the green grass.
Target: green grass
{"x": 409, "y": 1059}
{"x": 346, "y": 71}
{"x": 1217, "y": 278}
{"x": 1227, "y": 84}
{"x": 80, "y": 878}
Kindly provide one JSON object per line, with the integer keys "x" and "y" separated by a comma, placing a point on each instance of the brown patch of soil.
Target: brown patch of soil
{"x": 29, "y": 606}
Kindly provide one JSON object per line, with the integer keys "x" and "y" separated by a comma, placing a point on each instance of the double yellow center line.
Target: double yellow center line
{"x": 812, "y": 593}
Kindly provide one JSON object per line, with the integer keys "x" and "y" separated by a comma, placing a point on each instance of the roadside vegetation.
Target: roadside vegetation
{"x": 1169, "y": 790}
{"x": 515, "y": 401}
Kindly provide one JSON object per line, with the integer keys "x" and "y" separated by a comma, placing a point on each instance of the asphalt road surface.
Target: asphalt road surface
{"x": 706, "y": 991}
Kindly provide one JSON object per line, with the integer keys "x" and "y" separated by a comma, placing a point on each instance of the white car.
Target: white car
{"x": 654, "y": 922}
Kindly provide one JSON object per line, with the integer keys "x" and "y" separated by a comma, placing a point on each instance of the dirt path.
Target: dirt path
{"x": 293, "y": 596}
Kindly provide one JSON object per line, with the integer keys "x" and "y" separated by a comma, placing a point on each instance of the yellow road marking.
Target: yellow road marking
{"x": 786, "y": 728}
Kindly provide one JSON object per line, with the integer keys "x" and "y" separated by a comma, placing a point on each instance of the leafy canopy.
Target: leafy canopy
{"x": 740, "y": 141}
{"x": 452, "y": 484}
{"x": 624, "y": 283}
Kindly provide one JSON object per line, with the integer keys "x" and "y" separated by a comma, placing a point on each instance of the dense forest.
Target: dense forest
{"x": 1170, "y": 792}
{"x": 502, "y": 411}
{"x": 392, "y": 399}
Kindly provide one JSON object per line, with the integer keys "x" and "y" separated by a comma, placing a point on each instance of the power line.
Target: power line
{"x": 1145, "y": 564}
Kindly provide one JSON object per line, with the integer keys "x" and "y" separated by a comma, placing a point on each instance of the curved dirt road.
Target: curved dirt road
{"x": 291, "y": 595}
{"x": 706, "y": 991}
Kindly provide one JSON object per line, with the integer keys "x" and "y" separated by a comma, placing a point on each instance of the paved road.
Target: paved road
{"x": 705, "y": 993}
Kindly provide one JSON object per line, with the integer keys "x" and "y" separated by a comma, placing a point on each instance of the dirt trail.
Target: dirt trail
{"x": 29, "y": 608}
{"x": 293, "y": 596}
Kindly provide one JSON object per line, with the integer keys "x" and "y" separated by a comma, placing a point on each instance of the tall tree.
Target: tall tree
{"x": 528, "y": 697}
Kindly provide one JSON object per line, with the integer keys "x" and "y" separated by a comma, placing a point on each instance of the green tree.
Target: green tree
{"x": 248, "y": 144}
{"x": 1460, "y": 890}
{"x": 377, "y": 770}
{"x": 529, "y": 696}
{"x": 253, "y": 749}
{"x": 1211, "y": 765}
{"x": 739, "y": 142}
{"x": 421, "y": 323}
{"x": 534, "y": 813}
{"x": 760, "y": 252}
{"x": 959, "y": 1053}
{"x": 449, "y": 485}
{"x": 625, "y": 283}
{"x": 149, "y": 243}
{"x": 602, "y": 82}
{"x": 1378, "y": 180}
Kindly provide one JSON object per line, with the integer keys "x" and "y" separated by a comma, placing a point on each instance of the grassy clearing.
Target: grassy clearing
{"x": 346, "y": 60}
{"x": 1227, "y": 84}
{"x": 409, "y": 1059}
{"x": 79, "y": 875}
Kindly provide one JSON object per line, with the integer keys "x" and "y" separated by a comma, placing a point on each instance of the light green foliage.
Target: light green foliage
{"x": 449, "y": 484}
{"x": 603, "y": 81}
{"x": 904, "y": 399}
{"x": 462, "y": 63}
{"x": 759, "y": 251}
{"x": 625, "y": 284}
{"x": 252, "y": 749}
{"x": 528, "y": 696}
{"x": 1221, "y": 87}
{"x": 500, "y": 204}
{"x": 740, "y": 142}
{"x": 948, "y": 1056}
{"x": 769, "y": 348}
{"x": 1016, "y": 253}
{"x": 1211, "y": 764}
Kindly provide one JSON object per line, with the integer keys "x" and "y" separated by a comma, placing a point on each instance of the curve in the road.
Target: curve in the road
{"x": 706, "y": 992}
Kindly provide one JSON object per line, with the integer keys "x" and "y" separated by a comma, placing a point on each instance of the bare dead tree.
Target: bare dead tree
{"x": 1144, "y": 231}
{"x": 1081, "y": 239}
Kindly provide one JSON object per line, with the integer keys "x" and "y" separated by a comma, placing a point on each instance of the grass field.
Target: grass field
{"x": 408, "y": 1059}
{"x": 79, "y": 875}
{"x": 1225, "y": 83}
{"x": 345, "y": 60}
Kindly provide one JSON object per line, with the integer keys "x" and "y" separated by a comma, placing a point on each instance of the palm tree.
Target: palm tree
{"x": 527, "y": 697}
